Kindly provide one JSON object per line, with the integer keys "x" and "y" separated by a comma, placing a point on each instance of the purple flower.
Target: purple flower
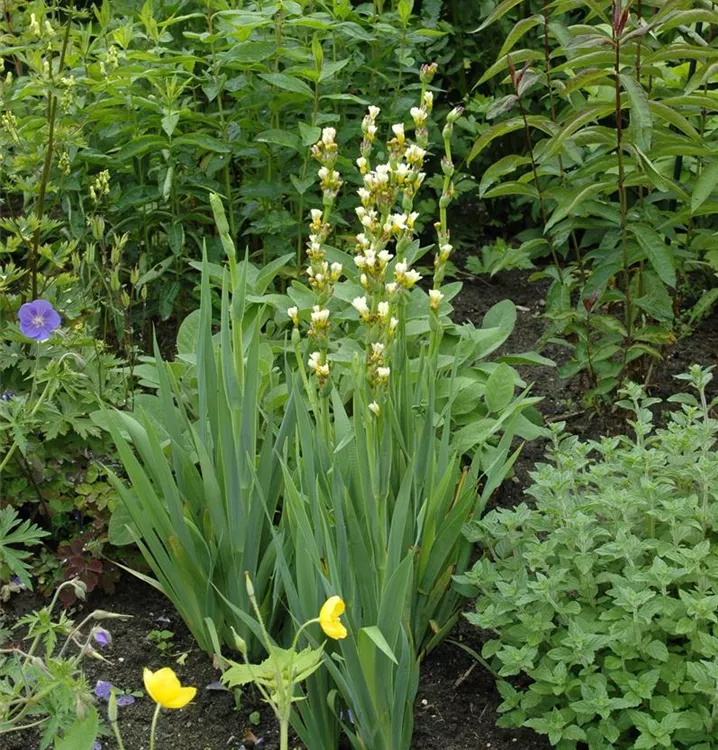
{"x": 38, "y": 319}
{"x": 6, "y": 396}
{"x": 97, "y": 745}
{"x": 103, "y": 690}
{"x": 102, "y": 637}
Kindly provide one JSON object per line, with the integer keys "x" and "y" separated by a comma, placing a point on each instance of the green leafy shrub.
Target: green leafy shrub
{"x": 51, "y": 448}
{"x": 616, "y": 168}
{"x": 603, "y": 594}
{"x": 128, "y": 116}
{"x": 42, "y": 685}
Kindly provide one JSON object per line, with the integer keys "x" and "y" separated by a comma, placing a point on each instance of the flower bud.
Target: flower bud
{"x": 427, "y": 72}
{"x": 454, "y": 115}
{"x": 248, "y": 584}
{"x": 112, "y": 708}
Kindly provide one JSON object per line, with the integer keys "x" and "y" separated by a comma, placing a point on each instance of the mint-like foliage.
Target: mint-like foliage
{"x": 602, "y": 596}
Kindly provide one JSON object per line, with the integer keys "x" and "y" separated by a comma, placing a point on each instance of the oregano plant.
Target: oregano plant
{"x": 603, "y": 591}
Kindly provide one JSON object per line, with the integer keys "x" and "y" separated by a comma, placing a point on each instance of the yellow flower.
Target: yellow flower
{"x": 329, "y": 617}
{"x": 164, "y": 688}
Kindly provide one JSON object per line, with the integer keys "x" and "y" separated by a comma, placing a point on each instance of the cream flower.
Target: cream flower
{"x": 435, "y": 297}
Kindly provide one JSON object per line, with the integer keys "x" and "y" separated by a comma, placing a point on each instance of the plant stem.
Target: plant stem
{"x": 118, "y": 736}
{"x": 153, "y": 728}
{"x": 534, "y": 169}
{"x": 284, "y": 734}
{"x": 40, "y": 206}
{"x": 623, "y": 198}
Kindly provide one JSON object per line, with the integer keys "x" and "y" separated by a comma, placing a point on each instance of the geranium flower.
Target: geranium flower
{"x": 38, "y": 319}
{"x": 329, "y": 618}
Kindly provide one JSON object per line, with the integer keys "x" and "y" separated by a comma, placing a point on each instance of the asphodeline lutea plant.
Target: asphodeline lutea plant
{"x": 279, "y": 675}
{"x": 386, "y": 246}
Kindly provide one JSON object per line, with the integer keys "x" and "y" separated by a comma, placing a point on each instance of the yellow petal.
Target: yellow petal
{"x": 183, "y": 696}
{"x": 335, "y": 630}
{"x": 329, "y": 617}
{"x": 164, "y": 688}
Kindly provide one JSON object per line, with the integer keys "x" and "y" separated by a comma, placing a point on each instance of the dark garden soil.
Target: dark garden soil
{"x": 456, "y": 704}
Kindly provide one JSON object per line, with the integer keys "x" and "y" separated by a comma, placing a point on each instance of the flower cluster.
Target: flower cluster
{"x": 325, "y": 152}
{"x": 319, "y": 366}
{"x": 100, "y": 187}
{"x": 322, "y": 276}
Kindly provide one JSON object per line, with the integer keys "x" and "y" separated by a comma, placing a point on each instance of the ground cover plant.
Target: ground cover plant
{"x": 603, "y": 592}
{"x": 237, "y": 365}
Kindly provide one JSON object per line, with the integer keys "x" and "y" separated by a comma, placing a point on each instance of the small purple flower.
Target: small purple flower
{"x": 102, "y": 637}
{"x": 125, "y": 700}
{"x": 97, "y": 745}
{"x": 38, "y": 319}
{"x": 103, "y": 690}
{"x": 6, "y": 396}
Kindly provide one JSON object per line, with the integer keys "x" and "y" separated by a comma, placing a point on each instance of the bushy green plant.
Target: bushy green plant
{"x": 353, "y": 450}
{"x": 44, "y": 688}
{"x": 613, "y": 101}
{"x": 603, "y": 593}
{"x": 121, "y": 120}
{"x": 50, "y": 446}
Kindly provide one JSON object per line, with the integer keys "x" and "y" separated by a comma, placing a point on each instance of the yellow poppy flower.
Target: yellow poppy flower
{"x": 329, "y": 617}
{"x": 165, "y": 689}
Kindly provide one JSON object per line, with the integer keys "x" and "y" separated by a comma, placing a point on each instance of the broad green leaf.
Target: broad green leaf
{"x": 310, "y": 134}
{"x": 573, "y": 200}
{"x": 499, "y": 389}
{"x": 704, "y": 185}
{"x": 500, "y": 168}
{"x": 281, "y": 138}
{"x": 512, "y": 188}
{"x": 82, "y": 734}
{"x": 501, "y": 10}
{"x": 508, "y": 126}
{"x": 288, "y": 83}
{"x": 520, "y": 56}
{"x": 140, "y": 145}
{"x": 202, "y": 141}
{"x": 169, "y": 122}
{"x": 519, "y": 30}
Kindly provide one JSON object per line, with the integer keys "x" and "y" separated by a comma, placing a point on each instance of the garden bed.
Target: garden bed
{"x": 457, "y": 701}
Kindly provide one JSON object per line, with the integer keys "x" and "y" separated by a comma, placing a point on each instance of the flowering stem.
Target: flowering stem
{"x": 40, "y": 206}
{"x": 118, "y": 736}
{"x": 153, "y": 728}
{"x": 284, "y": 734}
